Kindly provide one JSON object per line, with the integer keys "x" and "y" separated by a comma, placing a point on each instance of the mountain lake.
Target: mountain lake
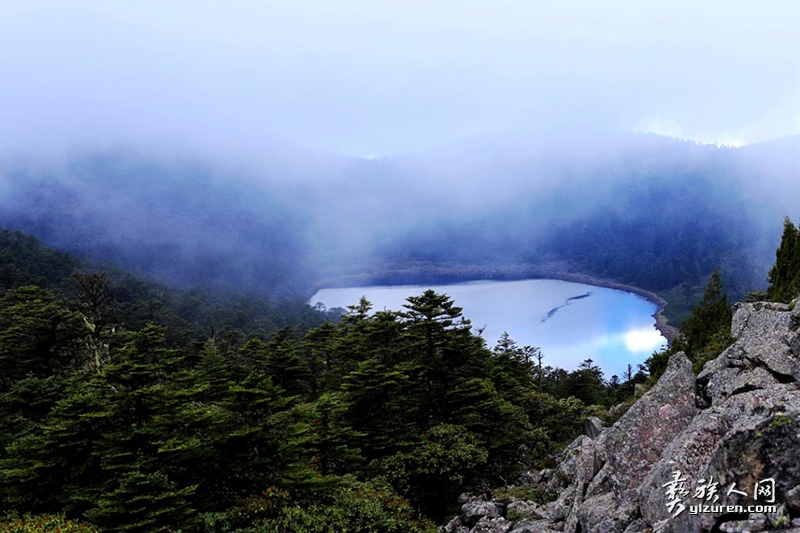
{"x": 569, "y": 322}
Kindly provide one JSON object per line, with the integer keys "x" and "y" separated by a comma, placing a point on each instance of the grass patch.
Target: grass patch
{"x": 506, "y": 495}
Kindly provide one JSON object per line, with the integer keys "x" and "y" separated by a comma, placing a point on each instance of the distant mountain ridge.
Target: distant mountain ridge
{"x": 640, "y": 209}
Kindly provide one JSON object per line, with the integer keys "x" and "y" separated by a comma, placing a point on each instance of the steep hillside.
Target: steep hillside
{"x": 179, "y": 222}
{"x": 25, "y": 261}
{"x": 726, "y": 438}
{"x": 189, "y": 314}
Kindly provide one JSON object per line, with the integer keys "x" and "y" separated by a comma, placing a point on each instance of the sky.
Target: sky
{"x": 377, "y": 78}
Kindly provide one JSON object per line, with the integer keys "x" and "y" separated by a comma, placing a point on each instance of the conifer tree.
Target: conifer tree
{"x": 320, "y": 361}
{"x": 704, "y": 334}
{"x": 348, "y": 346}
{"x": 326, "y": 434}
{"x": 708, "y": 318}
{"x": 784, "y": 276}
{"x": 512, "y": 367}
{"x": 256, "y": 451}
{"x": 39, "y": 345}
{"x": 56, "y": 467}
{"x": 428, "y": 317}
{"x": 143, "y": 503}
{"x": 288, "y": 370}
{"x": 213, "y": 373}
{"x": 585, "y": 383}
{"x": 441, "y": 350}
{"x": 378, "y": 398}
{"x": 38, "y": 335}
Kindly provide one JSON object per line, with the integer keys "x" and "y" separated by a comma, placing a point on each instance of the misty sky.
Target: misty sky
{"x": 369, "y": 77}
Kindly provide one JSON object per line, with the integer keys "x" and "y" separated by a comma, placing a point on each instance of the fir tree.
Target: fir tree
{"x": 709, "y": 317}
{"x": 38, "y": 335}
{"x": 330, "y": 440}
{"x": 143, "y": 502}
{"x": 784, "y": 276}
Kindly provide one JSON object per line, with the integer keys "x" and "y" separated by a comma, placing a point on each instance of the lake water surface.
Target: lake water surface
{"x": 569, "y": 321}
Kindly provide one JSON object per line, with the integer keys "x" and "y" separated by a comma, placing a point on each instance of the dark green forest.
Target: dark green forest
{"x": 784, "y": 276}
{"x": 705, "y": 333}
{"x": 132, "y": 406}
{"x": 137, "y": 407}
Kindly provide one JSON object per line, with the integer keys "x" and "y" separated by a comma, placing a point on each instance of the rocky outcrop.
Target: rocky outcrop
{"x": 693, "y": 454}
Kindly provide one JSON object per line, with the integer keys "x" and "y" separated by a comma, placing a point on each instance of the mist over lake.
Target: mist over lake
{"x": 569, "y": 322}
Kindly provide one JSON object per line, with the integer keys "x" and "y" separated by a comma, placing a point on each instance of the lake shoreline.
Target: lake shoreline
{"x": 436, "y": 274}
{"x": 668, "y": 331}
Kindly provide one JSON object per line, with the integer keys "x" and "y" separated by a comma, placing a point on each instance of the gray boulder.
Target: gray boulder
{"x": 522, "y": 509}
{"x": 592, "y": 427}
{"x": 473, "y": 512}
{"x": 533, "y": 526}
{"x": 714, "y": 439}
{"x": 765, "y": 353}
{"x": 492, "y": 525}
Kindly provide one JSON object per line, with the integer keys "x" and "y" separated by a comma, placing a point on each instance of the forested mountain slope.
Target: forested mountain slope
{"x": 645, "y": 210}
{"x": 189, "y": 314}
{"x": 376, "y": 422}
{"x": 134, "y": 421}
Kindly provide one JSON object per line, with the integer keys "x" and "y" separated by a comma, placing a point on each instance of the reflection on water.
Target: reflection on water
{"x": 643, "y": 339}
{"x": 611, "y": 327}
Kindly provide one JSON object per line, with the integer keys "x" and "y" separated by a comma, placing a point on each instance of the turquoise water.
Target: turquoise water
{"x": 570, "y": 322}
